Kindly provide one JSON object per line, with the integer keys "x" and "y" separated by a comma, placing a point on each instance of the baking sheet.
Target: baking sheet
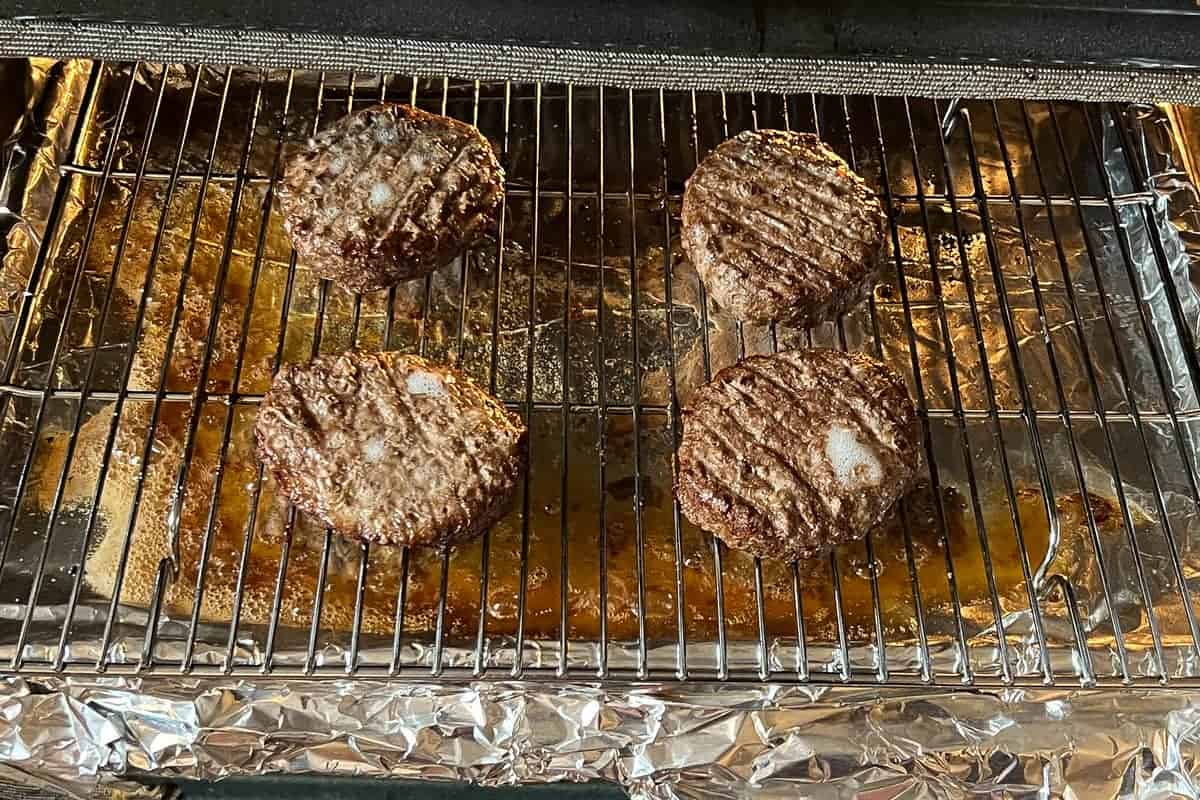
{"x": 618, "y": 238}
{"x": 628, "y": 235}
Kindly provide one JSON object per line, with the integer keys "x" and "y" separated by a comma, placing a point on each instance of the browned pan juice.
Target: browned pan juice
{"x": 664, "y": 567}
{"x": 543, "y": 573}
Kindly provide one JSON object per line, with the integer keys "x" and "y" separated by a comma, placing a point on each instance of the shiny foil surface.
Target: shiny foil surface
{"x": 1039, "y": 298}
{"x": 701, "y": 741}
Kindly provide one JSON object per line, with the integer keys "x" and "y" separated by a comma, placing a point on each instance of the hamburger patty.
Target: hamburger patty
{"x": 388, "y": 194}
{"x": 789, "y": 454}
{"x": 780, "y": 229}
{"x": 390, "y": 448}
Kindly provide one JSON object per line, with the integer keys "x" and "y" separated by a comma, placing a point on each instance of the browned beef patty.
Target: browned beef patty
{"x": 780, "y": 229}
{"x": 388, "y": 194}
{"x": 789, "y": 454}
{"x": 390, "y": 448}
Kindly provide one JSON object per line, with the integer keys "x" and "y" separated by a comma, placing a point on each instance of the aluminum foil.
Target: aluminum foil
{"x": 701, "y": 740}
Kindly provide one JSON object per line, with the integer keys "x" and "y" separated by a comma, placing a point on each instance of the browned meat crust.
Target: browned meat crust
{"x": 780, "y": 229}
{"x": 390, "y": 448}
{"x": 789, "y": 454}
{"x": 388, "y": 194}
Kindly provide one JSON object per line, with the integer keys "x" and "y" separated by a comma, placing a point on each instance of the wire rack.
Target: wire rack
{"x": 1033, "y": 299}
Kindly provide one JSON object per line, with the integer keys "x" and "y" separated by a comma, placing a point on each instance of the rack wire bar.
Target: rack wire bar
{"x": 564, "y": 640}
{"x": 881, "y": 667}
{"x": 721, "y": 643}
{"x": 1040, "y": 342}
{"x": 926, "y": 666}
{"x": 681, "y": 621}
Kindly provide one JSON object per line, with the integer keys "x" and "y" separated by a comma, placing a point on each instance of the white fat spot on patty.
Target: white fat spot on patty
{"x": 375, "y": 450}
{"x": 338, "y": 165}
{"x": 381, "y": 194}
{"x": 385, "y": 134}
{"x": 418, "y": 162}
{"x": 424, "y": 383}
{"x": 854, "y": 464}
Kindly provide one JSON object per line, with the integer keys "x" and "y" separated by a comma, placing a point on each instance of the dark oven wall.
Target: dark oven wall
{"x": 1159, "y": 32}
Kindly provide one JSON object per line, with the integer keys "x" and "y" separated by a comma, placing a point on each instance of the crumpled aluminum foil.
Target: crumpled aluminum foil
{"x": 702, "y": 741}
{"x": 669, "y": 741}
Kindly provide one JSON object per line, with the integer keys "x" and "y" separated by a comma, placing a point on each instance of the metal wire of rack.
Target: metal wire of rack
{"x": 1046, "y": 361}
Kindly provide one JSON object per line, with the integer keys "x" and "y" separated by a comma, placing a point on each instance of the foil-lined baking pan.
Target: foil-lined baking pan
{"x": 582, "y": 313}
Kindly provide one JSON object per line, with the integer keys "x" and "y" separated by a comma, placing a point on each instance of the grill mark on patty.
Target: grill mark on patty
{"x": 799, "y": 483}
{"x": 800, "y": 227}
{"x": 417, "y": 194}
{"x": 342, "y": 183}
{"x": 423, "y": 442}
{"x": 438, "y": 185}
{"x": 748, "y": 438}
{"x": 794, "y": 201}
{"x": 404, "y": 203}
{"x": 801, "y": 201}
{"x": 758, "y": 368}
{"x": 860, "y": 422}
{"x": 805, "y": 226}
{"x": 862, "y": 387}
{"x": 762, "y": 154}
{"x": 819, "y": 275}
{"x": 781, "y": 394}
{"x": 356, "y": 167}
{"x": 756, "y": 464}
{"x": 792, "y": 235}
{"x": 350, "y": 439}
{"x": 744, "y": 270}
{"x": 856, "y": 377}
{"x": 791, "y": 277}
{"x": 422, "y": 190}
{"x": 475, "y": 465}
{"x": 752, "y": 264}
{"x": 755, "y": 492}
{"x": 719, "y": 215}
{"x": 782, "y": 173}
{"x": 731, "y": 210}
